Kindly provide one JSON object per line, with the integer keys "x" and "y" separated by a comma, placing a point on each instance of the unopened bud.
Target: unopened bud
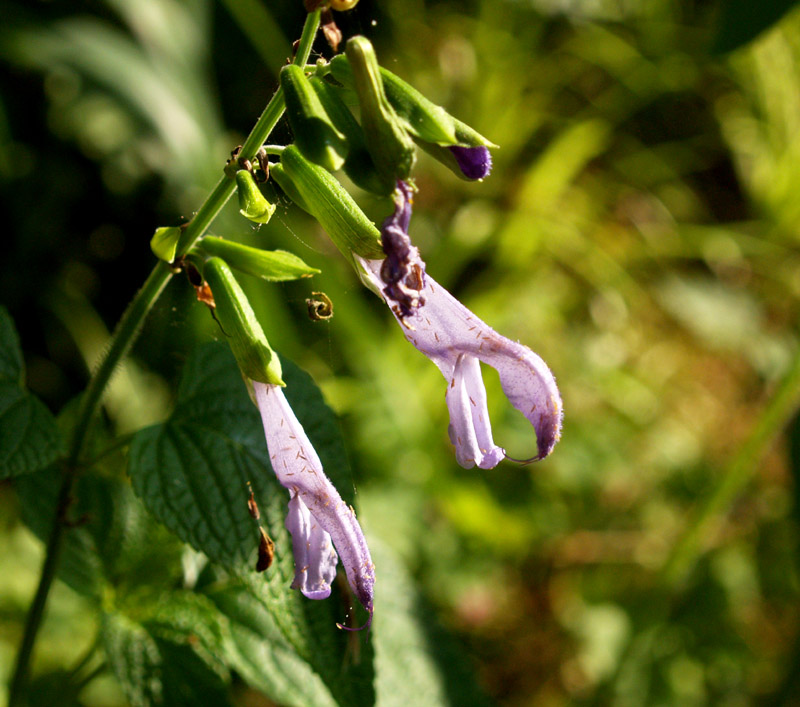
{"x": 342, "y": 5}
{"x": 328, "y": 202}
{"x": 164, "y": 242}
{"x": 314, "y": 133}
{"x": 358, "y": 165}
{"x": 252, "y": 203}
{"x": 387, "y": 139}
{"x": 271, "y": 265}
{"x": 256, "y": 359}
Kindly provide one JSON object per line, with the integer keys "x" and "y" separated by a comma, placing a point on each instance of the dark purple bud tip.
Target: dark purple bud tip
{"x": 475, "y": 162}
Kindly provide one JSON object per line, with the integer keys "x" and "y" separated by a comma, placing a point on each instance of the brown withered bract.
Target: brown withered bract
{"x": 252, "y": 506}
{"x": 205, "y": 295}
{"x": 332, "y": 33}
{"x": 266, "y": 551}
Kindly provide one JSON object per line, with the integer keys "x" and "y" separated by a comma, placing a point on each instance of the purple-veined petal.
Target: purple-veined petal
{"x": 444, "y": 329}
{"x": 314, "y": 557}
{"x": 474, "y": 162}
{"x": 299, "y": 469}
{"x": 470, "y": 430}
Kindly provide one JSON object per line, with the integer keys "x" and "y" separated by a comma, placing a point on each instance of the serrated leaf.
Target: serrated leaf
{"x": 29, "y": 437}
{"x": 331, "y": 667}
{"x": 112, "y": 538}
{"x": 167, "y": 652}
{"x": 413, "y": 655}
{"x": 261, "y": 654}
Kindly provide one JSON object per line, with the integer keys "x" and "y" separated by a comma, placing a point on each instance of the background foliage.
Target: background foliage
{"x": 639, "y": 231}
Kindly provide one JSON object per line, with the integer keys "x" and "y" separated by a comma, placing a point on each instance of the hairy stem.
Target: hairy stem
{"x": 122, "y": 340}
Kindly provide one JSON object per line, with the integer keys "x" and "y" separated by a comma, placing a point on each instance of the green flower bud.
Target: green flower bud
{"x": 314, "y": 133}
{"x": 389, "y": 143}
{"x": 278, "y": 173}
{"x": 252, "y": 203}
{"x": 423, "y": 118}
{"x": 358, "y": 165}
{"x": 271, "y": 265}
{"x": 164, "y": 242}
{"x": 328, "y": 202}
{"x": 256, "y": 359}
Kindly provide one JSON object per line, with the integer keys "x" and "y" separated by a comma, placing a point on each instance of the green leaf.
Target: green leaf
{"x": 113, "y": 539}
{"x": 29, "y": 437}
{"x": 313, "y": 663}
{"x": 413, "y": 655}
{"x": 741, "y": 21}
{"x": 166, "y": 652}
{"x": 263, "y": 656}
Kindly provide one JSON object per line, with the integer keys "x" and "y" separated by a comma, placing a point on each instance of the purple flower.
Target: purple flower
{"x": 457, "y": 341}
{"x": 317, "y": 513}
{"x": 474, "y": 162}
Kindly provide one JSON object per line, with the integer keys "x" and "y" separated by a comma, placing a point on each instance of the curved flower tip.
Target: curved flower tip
{"x": 457, "y": 341}
{"x": 366, "y": 625}
{"x": 474, "y": 162}
{"x": 317, "y": 513}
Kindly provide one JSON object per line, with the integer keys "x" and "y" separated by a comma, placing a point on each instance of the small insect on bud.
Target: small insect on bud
{"x": 266, "y": 551}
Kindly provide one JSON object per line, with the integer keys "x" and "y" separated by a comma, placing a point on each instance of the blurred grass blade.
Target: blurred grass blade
{"x": 782, "y": 406}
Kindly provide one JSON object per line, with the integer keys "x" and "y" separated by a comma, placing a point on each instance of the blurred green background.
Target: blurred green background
{"x": 639, "y": 231}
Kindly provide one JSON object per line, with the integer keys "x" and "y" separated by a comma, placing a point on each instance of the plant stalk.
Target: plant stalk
{"x": 122, "y": 340}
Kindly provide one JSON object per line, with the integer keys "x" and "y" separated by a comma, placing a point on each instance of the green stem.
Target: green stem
{"x": 781, "y": 407}
{"x": 274, "y": 149}
{"x": 123, "y": 338}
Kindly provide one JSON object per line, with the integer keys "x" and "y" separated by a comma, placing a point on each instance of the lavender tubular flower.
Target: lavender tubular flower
{"x": 456, "y": 341}
{"x": 317, "y": 514}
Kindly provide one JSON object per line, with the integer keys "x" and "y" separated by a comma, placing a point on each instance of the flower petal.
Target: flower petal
{"x": 402, "y": 270}
{"x": 314, "y": 557}
{"x": 444, "y": 329}
{"x": 470, "y": 430}
{"x": 299, "y": 469}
